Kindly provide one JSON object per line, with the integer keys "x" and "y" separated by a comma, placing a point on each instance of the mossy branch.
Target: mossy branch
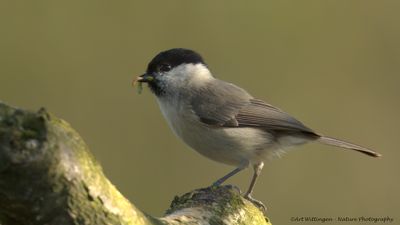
{"x": 48, "y": 176}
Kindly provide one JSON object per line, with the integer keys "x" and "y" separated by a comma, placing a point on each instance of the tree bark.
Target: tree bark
{"x": 49, "y": 177}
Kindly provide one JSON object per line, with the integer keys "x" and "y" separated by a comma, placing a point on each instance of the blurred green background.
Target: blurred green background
{"x": 335, "y": 65}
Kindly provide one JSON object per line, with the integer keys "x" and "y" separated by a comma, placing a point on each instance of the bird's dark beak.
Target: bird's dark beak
{"x": 145, "y": 78}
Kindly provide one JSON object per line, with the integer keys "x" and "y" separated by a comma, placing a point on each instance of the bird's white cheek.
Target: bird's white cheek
{"x": 200, "y": 74}
{"x": 188, "y": 75}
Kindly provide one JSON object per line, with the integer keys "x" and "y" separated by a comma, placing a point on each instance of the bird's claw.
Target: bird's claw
{"x": 256, "y": 202}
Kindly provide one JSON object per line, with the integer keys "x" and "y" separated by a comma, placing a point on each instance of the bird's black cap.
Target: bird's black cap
{"x": 174, "y": 57}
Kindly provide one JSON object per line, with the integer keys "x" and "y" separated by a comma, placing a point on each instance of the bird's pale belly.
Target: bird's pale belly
{"x": 233, "y": 146}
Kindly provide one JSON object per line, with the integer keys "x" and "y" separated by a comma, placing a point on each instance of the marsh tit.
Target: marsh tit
{"x": 220, "y": 120}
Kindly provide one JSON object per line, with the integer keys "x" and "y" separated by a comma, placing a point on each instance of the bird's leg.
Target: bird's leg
{"x": 257, "y": 171}
{"x": 226, "y": 177}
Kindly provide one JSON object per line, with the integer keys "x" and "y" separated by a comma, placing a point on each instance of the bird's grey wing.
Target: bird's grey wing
{"x": 218, "y": 103}
{"x": 265, "y": 116}
{"x": 223, "y": 104}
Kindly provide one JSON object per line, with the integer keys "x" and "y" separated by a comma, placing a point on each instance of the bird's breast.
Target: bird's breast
{"x": 175, "y": 114}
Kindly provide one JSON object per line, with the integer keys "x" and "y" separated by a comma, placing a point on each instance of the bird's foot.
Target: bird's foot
{"x": 256, "y": 202}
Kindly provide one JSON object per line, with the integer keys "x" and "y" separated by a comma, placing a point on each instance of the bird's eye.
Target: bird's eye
{"x": 165, "y": 67}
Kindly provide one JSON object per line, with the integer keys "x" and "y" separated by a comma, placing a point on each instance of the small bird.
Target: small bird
{"x": 222, "y": 121}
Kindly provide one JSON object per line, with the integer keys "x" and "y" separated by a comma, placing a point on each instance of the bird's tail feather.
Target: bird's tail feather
{"x": 347, "y": 145}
